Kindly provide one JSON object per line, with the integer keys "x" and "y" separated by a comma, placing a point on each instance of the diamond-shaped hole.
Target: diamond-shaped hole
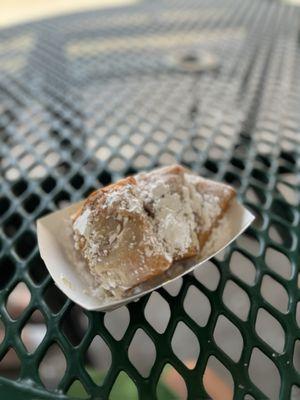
{"x": 31, "y": 203}
{"x": 208, "y": 274}
{"x": 255, "y": 196}
{"x": 167, "y": 158}
{"x": 4, "y": 205}
{"x": 12, "y": 174}
{"x": 19, "y": 187}
{"x": 279, "y": 234}
{"x": 288, "y": 157}
{"x": 91, "y": 141}
{"x": 34, "y": 331}
{"x": 26, "y": 161}
{"x": 75, "y": 331}
{"x": 185, "y": 345}
{"x": 18, "y": 300}
{"x": 118, "y": 390}
{"x": 281, "y": 210}
{"x": 142, "y": 352}
{"x": 77, "y": 391}
{"x": 264, "y": 374}
{"x": 2, "y": 331}
{"x": 236, "y": 299}
{"x": 48, "y": 184}
{"x": 77, "y": 181}
{"x": 159, "y": 320}
{"x": 278, "y": 262}
{"x": 142, "y": 161}
{"x": 127, "y": 151}
{"x": 62, "y": 199}
{"x": 270, "y": 330}
{"x": 232, "y": 179}
{"x": 8, "y": 270}
{"x": 116, "y": 164}
{"x": 249, "y": 243}
{"x": 38, "y": 172}
{"x": 249, "y": 397}
{"x": 113, "y": 140}
{"x": 228, "y": 338}
{"x": 54, "y": 298}
{"x": 65, "y": 143}
{"x": 151, "y": 149}
{"x": 117, "y": 321}
{"x": 275, "y": 233}
{"x": 298, "y": 313}
{"x": 197, "y": 306}
{"x": 171, "y": 385}
{"x": 37, "y": 269}
{"x": 12, "y": 225}
{"x": 103, "y": 153}
{"x": 295, "y": 393}
{"x": 288, "y": 193}
{"x": 25, "y": 244}
{"x": 211, "y": 166}
{"x": 242, "y": 267}
{"x": 105, "y": 178}
{"x": 10, "y": 365}
{"x": 217, "y": 380}
{"x": 53, "y": 367}
{"x": 274, "y": 293}
{"x": 174, "y": 287}
{"x": 52, "y": 158}
{"x": 259, "y": 175}
{"x": 296, "y": 358}
{"x": 91, "y": 165}
{"x": 98, "y": 359}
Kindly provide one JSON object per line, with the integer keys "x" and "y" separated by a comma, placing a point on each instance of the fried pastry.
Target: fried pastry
{"x": 132, "y": 230}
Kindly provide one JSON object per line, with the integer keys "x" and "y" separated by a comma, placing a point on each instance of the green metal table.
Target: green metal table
{"x": 88, "y": 98}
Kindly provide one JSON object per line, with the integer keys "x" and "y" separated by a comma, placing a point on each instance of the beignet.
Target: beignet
{"x": 134, "y": 229}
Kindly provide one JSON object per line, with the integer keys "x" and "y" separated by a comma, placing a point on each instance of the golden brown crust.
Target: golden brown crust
{"x": 134, "y": 254}
{"x": 225, "y": 194}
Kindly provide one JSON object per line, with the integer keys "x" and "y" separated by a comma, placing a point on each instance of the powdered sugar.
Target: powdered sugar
{"x": 179, "y": 210}
{"x": 81, "y": 222}
{"x": 125, "y": 198}
{"x": 173, "y": 218}
{"x": 206, "y": 206}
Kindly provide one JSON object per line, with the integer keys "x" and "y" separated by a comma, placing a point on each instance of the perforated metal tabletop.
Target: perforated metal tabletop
{"x": 88, "y": 98}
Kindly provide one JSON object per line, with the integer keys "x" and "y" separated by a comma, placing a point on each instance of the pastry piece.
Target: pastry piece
{"x": 210, "y": 201}
{"x": 134, "y": 229}
{"x": 166, "y": 198}
{"x": 116, "y": 238}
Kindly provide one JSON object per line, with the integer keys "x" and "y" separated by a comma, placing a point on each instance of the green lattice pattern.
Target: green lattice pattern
{"x": 72, "y": 120}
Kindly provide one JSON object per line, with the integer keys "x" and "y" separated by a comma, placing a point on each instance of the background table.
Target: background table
{"x": 88, "y": 98}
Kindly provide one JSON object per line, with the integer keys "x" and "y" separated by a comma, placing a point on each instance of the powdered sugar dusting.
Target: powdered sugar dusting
{"x": 125, "y": 198}
{"x": 206, "y": 206}
{"x": 81, "y": 222}
{"x": 173, "y": 217}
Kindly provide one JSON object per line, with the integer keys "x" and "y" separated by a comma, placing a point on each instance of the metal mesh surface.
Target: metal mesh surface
{"x": 86, "y": 99}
